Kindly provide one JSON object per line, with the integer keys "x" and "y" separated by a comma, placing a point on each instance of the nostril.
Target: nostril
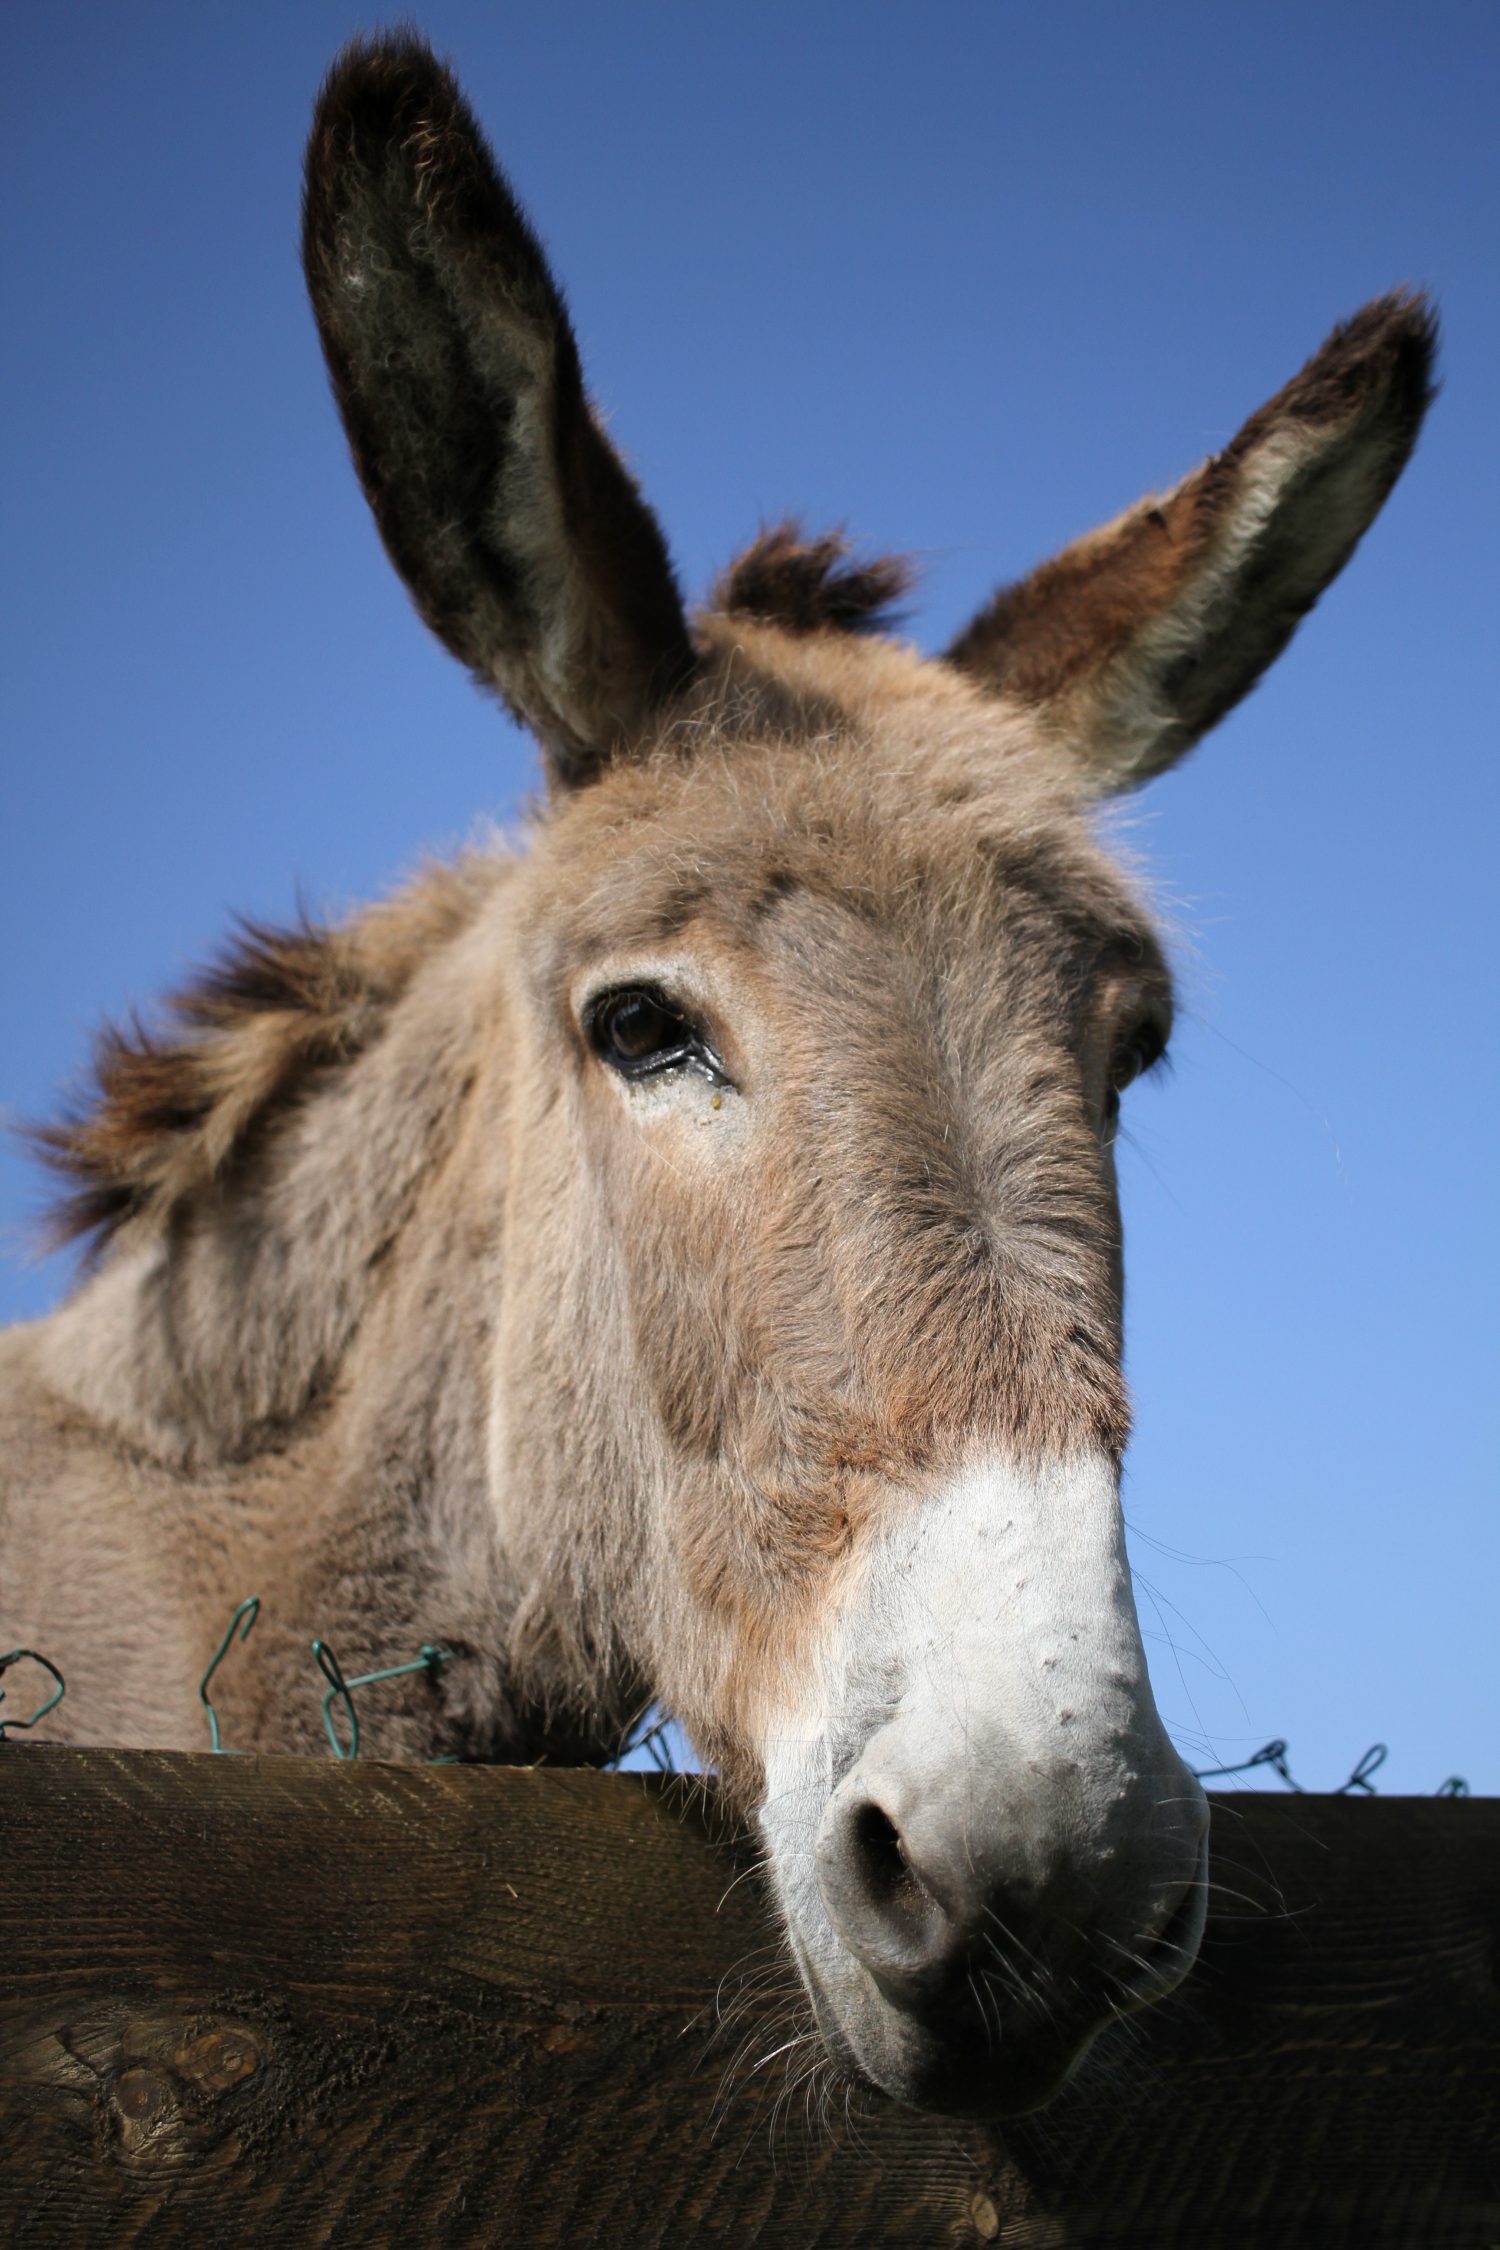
{"x": 890, "y": 1881}
{"x": 884, "y": 1911}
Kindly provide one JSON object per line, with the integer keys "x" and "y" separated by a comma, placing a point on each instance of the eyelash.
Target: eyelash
{"x": 1144, "y": 1052}
{"x": 1138, "y": 1057}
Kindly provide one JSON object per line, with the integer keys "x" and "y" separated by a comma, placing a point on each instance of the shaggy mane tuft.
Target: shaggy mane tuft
{"x": 812, "y": 585}
{"x": 172, "y": 1105}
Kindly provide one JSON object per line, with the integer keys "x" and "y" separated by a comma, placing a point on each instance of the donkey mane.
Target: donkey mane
{"x": 812, "y": 585}
{"x": 174, "y": 1103}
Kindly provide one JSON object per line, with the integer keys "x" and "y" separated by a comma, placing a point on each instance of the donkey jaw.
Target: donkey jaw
{"x": 984, "y": 1846}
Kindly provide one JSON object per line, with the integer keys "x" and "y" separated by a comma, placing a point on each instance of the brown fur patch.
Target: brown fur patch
{"x": 1094, "y": 613}
{"x": 171, "y": 1107}
{"x": 811, "y": 585}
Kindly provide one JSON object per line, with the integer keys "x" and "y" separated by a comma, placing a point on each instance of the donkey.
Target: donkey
{"x": 682, "y": 1258}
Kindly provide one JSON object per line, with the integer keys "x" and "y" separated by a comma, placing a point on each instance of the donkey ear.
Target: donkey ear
{"x": 1139, "y": 637}
{"x": 519, "y": 533}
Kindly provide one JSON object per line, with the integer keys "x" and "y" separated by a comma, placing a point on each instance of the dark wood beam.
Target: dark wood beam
{"x": 276, "y": 2002}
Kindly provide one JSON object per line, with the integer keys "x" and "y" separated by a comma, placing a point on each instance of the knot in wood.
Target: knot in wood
{"x": 142, "y": 2095}
{"x": 983, "y": 2216}
{"x": 218, "y": 2059}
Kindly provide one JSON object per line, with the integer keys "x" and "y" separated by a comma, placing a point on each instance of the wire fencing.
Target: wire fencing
{"x": 653, "y": 1741}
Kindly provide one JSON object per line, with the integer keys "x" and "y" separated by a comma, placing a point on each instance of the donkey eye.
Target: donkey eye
{"x": 1141, "y": 1052}
{"x": 638, "y": 1032}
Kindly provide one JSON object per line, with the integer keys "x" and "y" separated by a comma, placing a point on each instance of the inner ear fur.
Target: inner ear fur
{"x": 1137, "y": 638}
{"x": 518, "y": 531}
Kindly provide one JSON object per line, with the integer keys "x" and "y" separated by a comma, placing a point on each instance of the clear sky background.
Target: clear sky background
{"x": 968, "y": 278}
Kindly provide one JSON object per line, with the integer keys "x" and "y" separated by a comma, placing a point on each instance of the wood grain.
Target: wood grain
{"x": 272, "y": 2001}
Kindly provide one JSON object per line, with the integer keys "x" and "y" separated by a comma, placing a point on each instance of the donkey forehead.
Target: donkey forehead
{"x": 917, "y": 832}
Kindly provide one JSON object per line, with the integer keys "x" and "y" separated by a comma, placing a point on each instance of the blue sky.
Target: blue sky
{"x": 968, "y": 279}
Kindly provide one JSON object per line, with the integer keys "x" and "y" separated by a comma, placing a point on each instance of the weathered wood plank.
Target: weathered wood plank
{"x": 276, "y": 2001}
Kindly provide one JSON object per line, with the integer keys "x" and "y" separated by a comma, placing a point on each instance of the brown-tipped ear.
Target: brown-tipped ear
{"x": 521, "y": 536}
{"x": 1138, "y": 637}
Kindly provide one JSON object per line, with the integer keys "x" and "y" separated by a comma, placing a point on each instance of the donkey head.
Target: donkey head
{"x": 819, "y": 998}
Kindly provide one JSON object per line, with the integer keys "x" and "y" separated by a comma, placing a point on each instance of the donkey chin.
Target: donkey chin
{"x": 984, "y": 1846}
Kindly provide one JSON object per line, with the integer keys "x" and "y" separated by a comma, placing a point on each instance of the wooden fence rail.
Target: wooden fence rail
{"x": 275, "y": 2002}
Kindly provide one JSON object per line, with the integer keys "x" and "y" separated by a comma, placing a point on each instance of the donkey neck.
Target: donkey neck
{"x": 226, "y": 1324}
{"x": 301, "y": 1362}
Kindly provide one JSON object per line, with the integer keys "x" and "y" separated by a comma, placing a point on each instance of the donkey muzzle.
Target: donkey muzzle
{"x": 988, "y": 1931}
{"x": 985, "y": 1845}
